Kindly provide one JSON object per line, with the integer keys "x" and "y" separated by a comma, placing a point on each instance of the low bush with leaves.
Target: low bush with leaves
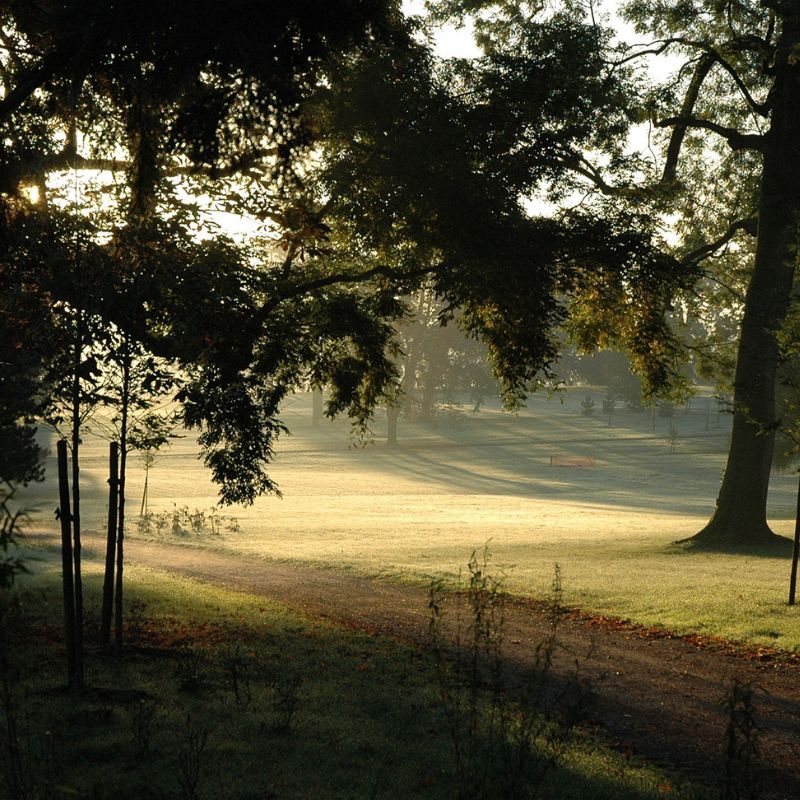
{"x": 11, "y": 564}
{"x": 237, "y": 668}
{"x": 741, "y": 779}
{"x": 191, "y": 758}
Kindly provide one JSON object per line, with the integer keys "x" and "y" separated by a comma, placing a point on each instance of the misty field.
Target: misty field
{"x": 604, "y": 497}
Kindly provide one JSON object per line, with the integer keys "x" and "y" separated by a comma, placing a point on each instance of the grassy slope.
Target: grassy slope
{"x": 368, "y": 721}
{"x": 418, "y": 511}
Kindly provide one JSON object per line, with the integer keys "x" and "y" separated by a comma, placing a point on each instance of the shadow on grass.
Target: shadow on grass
{"x": 776, "y": 547}
{"x": 370, "y": 720}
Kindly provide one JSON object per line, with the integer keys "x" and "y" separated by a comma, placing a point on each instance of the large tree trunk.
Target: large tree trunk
{"x": 795, "y": 553}
{"x": 436, "y": 364}
{"x": 741, "y": 513}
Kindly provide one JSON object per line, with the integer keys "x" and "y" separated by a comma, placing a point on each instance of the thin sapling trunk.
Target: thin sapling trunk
{"x": 147, "y": 460}
{"x": 66, "y": 561}
{"x": 76, "y": 498}
{"x": 392, "y": 414}
{"x": 795, "y": 552}
{"x": 111, "y": 543}
{"x": 317, "y": 407}
{"x": 123, "y": 442}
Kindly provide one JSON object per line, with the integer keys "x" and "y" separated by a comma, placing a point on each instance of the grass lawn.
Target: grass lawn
{"x": 418, "y": 511}
{"x": 222, "y": 695}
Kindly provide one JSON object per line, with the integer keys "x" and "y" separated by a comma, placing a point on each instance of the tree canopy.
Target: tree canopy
{"x": 368, "y": 166}
{"x": 721, "y": 179}
{"x": 372, "y": 166}
{"x": 161, "y": 105}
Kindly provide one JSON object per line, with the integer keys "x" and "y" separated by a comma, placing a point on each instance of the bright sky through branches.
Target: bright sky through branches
{"x": 449, "y": 41}
{"x": 453, "y": 42}
{"x": 458, "y": 42}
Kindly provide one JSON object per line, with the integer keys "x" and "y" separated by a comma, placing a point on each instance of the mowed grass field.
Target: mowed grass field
{"x": 417, "y": 511}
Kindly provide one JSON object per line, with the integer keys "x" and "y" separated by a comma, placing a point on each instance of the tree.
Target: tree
{"x": 728, "y": 123}
{"x": 133, "y": 383}
{"x": 749, "y": 50}
{"x": 439, "y": 359}
{"x": 414, "y": 179}
{"x": 21, "y": 371}
{"x": 789, "y": 430}
{"x": 424, "y": 164}
{"x": 181, "y": 90}
{"x": 376, "y": 167}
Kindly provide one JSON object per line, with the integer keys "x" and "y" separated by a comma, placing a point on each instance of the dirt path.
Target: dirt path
{"x": 660, "y": 698}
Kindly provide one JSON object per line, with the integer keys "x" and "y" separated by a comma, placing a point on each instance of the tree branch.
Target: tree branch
{"x": 588, "y": 170}
{"x": 32, "y": 80}
{"x": 744, "y": 43}
{"x": 342, "y": 278}
{"x": 760, "y": 108}
{"x": 69, "y": 159}
{"x": 11, "y": 50}
{"x": 687, "y": 108}
{"x": 355, "y": 277}
{"x": 578, "y": 164}
{"x": 749, "y": 225}
{"x": 736, "y": 139}
{"x": 663, "y": 45}
{"x": 726, "y": 286}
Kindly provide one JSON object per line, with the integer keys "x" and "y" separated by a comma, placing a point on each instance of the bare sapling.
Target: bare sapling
{"x": 111, "y": 543}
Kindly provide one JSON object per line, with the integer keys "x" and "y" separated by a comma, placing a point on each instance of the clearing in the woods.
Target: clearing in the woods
{"x": 604, "y": 498}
